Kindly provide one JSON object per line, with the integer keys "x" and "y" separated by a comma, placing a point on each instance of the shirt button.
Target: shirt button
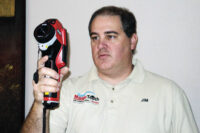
{"x": 113, "y": 89}
{"x": 111, "y": 101}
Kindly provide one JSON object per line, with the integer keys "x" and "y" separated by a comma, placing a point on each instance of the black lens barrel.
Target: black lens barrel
{"x": 44, "y": 32}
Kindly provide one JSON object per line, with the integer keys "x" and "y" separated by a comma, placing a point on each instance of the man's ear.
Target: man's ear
{"x": 134, "y": 40}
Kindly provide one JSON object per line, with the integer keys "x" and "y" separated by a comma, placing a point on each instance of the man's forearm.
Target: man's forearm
{"x": 34, "y": 120}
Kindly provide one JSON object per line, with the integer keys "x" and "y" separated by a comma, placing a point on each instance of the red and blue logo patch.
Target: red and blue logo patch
{"x": 88, "y": 96}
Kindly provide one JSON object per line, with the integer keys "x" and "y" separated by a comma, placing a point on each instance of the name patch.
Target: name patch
{"x": 88, "y": 96}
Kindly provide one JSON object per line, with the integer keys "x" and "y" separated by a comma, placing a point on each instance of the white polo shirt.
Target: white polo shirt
{"x": 142, "y": 103}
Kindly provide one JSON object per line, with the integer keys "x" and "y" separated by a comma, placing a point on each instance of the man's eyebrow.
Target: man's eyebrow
{"x": 93, "y": 33}
{"x": 111, "y": 32}
{"x": 107, "y": 32}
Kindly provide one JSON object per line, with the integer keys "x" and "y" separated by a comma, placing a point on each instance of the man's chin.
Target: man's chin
{"x": 104, "y": 68}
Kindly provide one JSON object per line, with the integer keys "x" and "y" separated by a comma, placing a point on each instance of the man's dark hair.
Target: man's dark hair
{"x": 127, "y": 18}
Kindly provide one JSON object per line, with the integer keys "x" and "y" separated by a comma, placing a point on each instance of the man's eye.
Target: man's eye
{"x": 111, "y": 36}
{"x": 94, "y": 38}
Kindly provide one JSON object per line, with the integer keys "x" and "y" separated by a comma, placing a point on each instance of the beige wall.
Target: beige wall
{"x": 168, "y": 30}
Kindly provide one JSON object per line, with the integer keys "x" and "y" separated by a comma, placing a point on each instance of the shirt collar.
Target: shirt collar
{"x": 93, "y": 75}
{"x": 137, "y": 75}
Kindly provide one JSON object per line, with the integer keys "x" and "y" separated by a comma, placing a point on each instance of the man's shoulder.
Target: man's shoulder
{"x": 157, "y": 77}
{"x": 80, "y": 80}
{"x": 147, "y": 77}
{"x": 157, "y": 81}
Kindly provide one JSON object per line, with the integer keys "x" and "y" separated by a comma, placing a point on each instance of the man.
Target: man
{"x": 117, "y": 95}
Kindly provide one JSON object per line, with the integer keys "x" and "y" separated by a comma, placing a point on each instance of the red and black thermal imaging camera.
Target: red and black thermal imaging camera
{"x": 52, "y": 41}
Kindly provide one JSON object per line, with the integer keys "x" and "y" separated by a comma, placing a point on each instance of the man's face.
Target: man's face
{"x": 111, "y": 48}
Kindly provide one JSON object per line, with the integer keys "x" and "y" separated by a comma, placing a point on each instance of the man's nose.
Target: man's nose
{"x": 102, "y": 43}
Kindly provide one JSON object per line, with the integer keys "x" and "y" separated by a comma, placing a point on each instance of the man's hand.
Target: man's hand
{"x": 47, "y": 82}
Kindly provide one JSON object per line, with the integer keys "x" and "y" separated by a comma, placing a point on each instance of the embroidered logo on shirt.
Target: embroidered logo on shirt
{"x": 144, "y": 100}
{"x": 88, "y": 96}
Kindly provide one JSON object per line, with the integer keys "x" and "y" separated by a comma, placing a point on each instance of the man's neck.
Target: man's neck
{"x": 115, "y": 77}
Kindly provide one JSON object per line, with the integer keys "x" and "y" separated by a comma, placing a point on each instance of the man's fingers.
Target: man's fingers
{"x": 64, "y": 71}
{"x": 49, "y": 82}
{"x": 48, "y": 88}
{"x": 42, "y": 61}
{"x": 47, "y": 72}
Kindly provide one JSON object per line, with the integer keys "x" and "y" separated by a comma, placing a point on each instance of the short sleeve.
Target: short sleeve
{"x": 183, "y": 120}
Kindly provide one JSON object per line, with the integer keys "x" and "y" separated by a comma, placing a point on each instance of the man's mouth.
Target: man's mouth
{"x": 103, "y": 56}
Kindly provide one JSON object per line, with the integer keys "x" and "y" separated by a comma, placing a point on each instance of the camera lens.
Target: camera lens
{"x": 44, "y": 32}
